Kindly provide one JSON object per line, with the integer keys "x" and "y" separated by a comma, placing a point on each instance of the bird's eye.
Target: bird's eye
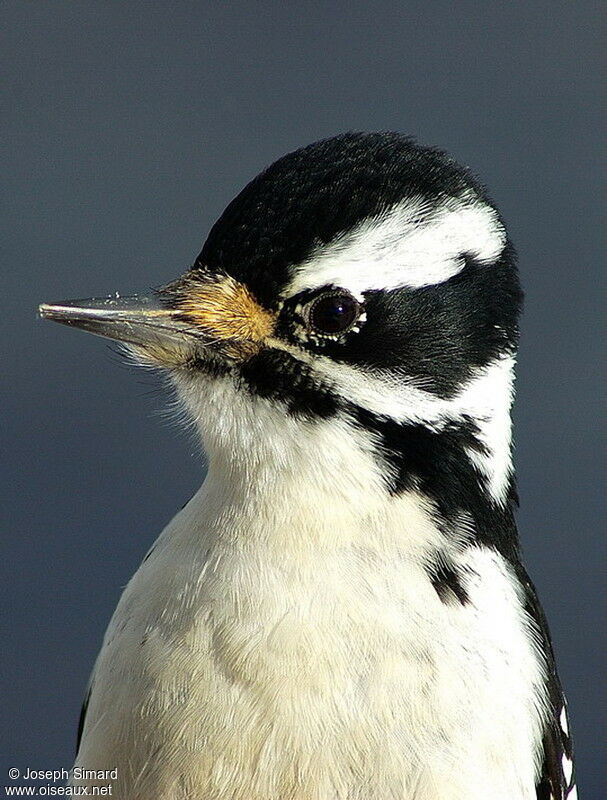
{"x": 333, "y": 313}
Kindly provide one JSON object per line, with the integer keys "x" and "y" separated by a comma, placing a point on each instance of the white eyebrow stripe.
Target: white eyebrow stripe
{"x": 412, "y": 245}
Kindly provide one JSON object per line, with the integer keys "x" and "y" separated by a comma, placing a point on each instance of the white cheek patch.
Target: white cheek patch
{"x": 486, "y": 398}
{"x": 413, "y": 245}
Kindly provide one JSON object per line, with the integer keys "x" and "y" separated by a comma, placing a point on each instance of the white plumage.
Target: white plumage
{"x": 281, "y": 617}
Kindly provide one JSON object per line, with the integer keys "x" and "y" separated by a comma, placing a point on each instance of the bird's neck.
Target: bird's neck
{"x": 332, "y": 476}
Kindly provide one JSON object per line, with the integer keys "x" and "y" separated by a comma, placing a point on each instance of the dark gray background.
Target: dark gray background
{"x": 130, "y": 125}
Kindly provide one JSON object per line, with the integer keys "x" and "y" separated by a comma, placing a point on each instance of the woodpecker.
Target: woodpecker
{"x": 341, "y": 611}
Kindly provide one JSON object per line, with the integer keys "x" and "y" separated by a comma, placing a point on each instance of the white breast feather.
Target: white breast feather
{"x": 283, "y": 641}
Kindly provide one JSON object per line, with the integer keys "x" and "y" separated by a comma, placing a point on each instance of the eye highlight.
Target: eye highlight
{"x": 332, "y": 313}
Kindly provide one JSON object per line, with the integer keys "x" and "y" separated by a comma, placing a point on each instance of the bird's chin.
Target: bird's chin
{"x": 161, "y": 354}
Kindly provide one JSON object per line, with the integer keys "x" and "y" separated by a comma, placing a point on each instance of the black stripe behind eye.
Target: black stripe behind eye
{"x": 438, "y": 334}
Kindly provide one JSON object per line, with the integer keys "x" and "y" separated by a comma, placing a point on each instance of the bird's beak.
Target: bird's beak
{"x": 196, "y": 317}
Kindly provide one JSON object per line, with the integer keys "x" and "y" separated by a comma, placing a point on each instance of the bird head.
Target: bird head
{"x": 361, "y": 295}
